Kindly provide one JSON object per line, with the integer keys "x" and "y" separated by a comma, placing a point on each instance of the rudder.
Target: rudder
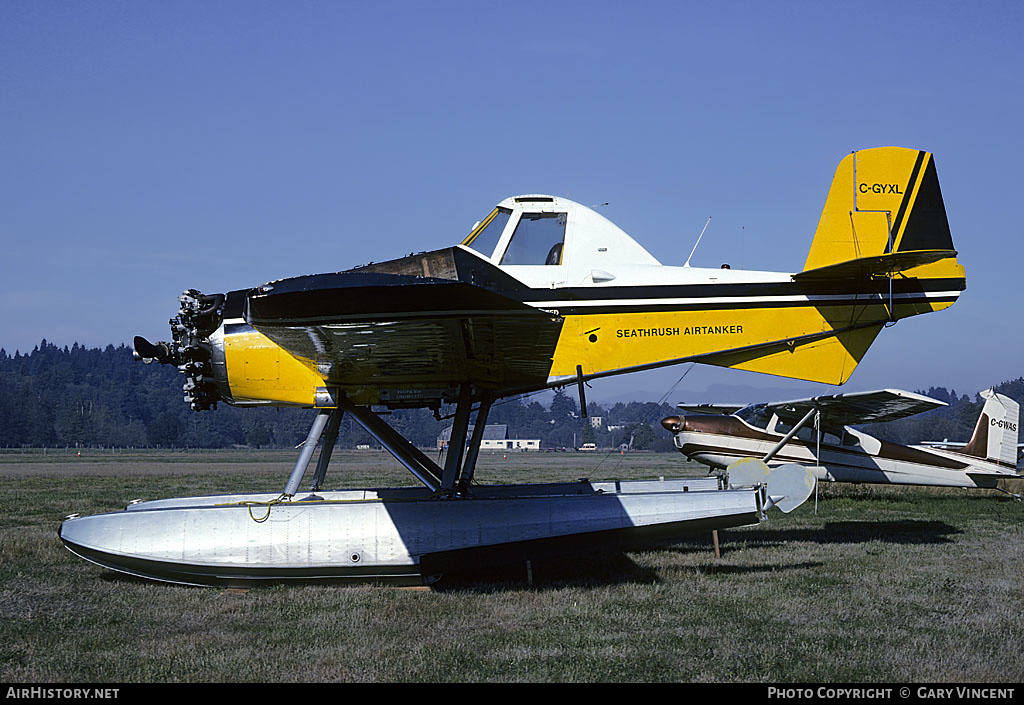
{"x": 883, "y": 200}
{"x": 995, "y": 434}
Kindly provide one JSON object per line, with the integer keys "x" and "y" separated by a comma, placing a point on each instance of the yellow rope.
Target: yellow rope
{"x": 269, "y": 505}
{"x": 286, "y": 497}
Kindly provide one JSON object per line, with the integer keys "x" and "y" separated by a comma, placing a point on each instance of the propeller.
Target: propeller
{"x": 788, "y": 486}
{"x": 147, "y": 351}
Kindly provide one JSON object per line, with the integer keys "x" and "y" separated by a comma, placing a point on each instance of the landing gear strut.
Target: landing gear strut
{"x": 453, "y": 480}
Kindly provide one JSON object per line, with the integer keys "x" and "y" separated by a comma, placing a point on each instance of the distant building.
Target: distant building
{"x": 595, "y": 421}
{"x": 495, "y": 438}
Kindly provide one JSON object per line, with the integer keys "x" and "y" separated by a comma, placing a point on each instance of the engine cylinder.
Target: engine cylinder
{"x": 199, "y": 317}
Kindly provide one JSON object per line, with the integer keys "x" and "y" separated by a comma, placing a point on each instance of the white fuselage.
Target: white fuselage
{"x": 856, "y": 458}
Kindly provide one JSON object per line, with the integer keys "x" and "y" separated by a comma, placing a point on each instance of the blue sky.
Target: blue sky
{"x": 152, "y": 147}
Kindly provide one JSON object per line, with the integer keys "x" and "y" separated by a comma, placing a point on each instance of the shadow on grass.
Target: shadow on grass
{"x": 597, "y": 571}
{"x": 908, "y": 531}
{"x": 723, "y": 569}
{"x": 548, "y": 573}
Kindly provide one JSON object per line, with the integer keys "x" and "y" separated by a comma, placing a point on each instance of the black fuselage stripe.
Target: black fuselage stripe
{"x": 608, "y": 307}
{"x": 615, "y": 306}
{"x": 837, "y": 287}
{"x": 391, "y": 303}
{"x": 743, "y": 306}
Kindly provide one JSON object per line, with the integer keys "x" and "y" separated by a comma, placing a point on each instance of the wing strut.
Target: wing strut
{"x": 789, "y": 436}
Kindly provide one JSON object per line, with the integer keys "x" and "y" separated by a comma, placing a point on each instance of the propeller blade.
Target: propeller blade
{"x": 161, "y": 352}
{"x": 788, "y": 485}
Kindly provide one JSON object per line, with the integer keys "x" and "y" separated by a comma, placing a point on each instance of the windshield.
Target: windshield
{"x": 537, "y": 240}
{"x": 485, "y": 236}
{"x": 756, "y": 415}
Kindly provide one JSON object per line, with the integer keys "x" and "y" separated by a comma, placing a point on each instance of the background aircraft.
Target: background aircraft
{"x": 816, "y": 432}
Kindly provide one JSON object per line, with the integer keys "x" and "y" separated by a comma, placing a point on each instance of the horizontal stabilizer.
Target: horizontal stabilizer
{"x": 887, "y": 264}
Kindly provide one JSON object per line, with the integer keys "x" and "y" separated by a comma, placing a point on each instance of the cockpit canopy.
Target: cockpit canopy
{"x": 547, "y": 231}
{"x": 765, "y": 418}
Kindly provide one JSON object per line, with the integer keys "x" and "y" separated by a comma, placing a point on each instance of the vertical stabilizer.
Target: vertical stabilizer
{"x": 882, "y": 201}
{"x": 995, "y": 435}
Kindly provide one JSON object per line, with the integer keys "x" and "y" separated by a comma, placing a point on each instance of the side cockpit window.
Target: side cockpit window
{"x": 538, "y": 239}
{"x": 485, "y": 236}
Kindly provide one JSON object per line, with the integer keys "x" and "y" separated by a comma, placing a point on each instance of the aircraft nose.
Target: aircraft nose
{"x": 673, "y": 424}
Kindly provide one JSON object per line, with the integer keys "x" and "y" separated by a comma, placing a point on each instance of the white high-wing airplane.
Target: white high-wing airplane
{"x": 816, "y": 433}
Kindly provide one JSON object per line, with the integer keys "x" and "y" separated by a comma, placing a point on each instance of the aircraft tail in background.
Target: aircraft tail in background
{"x": 995, "y": 435}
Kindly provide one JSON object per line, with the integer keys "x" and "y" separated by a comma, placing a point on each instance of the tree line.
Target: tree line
{"x": 954, "y": 422}
{"x": 91, "y": 397}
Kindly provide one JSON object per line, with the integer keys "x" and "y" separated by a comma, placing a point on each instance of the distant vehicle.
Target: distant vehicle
{"x": 785, "y": 432}
{"x": 588, "y": 446}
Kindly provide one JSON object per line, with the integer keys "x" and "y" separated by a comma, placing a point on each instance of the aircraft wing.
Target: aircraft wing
{"x": 857, "y": 407}
{"x": 371, "y": 329}
{"x": 943, "y": 445}
{"x": 710, "y": 409}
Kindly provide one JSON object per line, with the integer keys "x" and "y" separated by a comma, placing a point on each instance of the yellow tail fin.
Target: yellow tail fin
{"x": 883, "y": 201}
{"x": 882, "y": 251}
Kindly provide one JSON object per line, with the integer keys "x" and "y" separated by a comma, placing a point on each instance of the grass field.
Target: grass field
{"x": 879, "y": 585}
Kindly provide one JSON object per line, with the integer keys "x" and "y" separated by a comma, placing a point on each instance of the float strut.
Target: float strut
{"x": 457, "y": 441}
{"x": 307, "y": 452}
{"x": 469, "y": 464}
{"x": 330, "y": 438}
{"x": 404, "y": 452}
